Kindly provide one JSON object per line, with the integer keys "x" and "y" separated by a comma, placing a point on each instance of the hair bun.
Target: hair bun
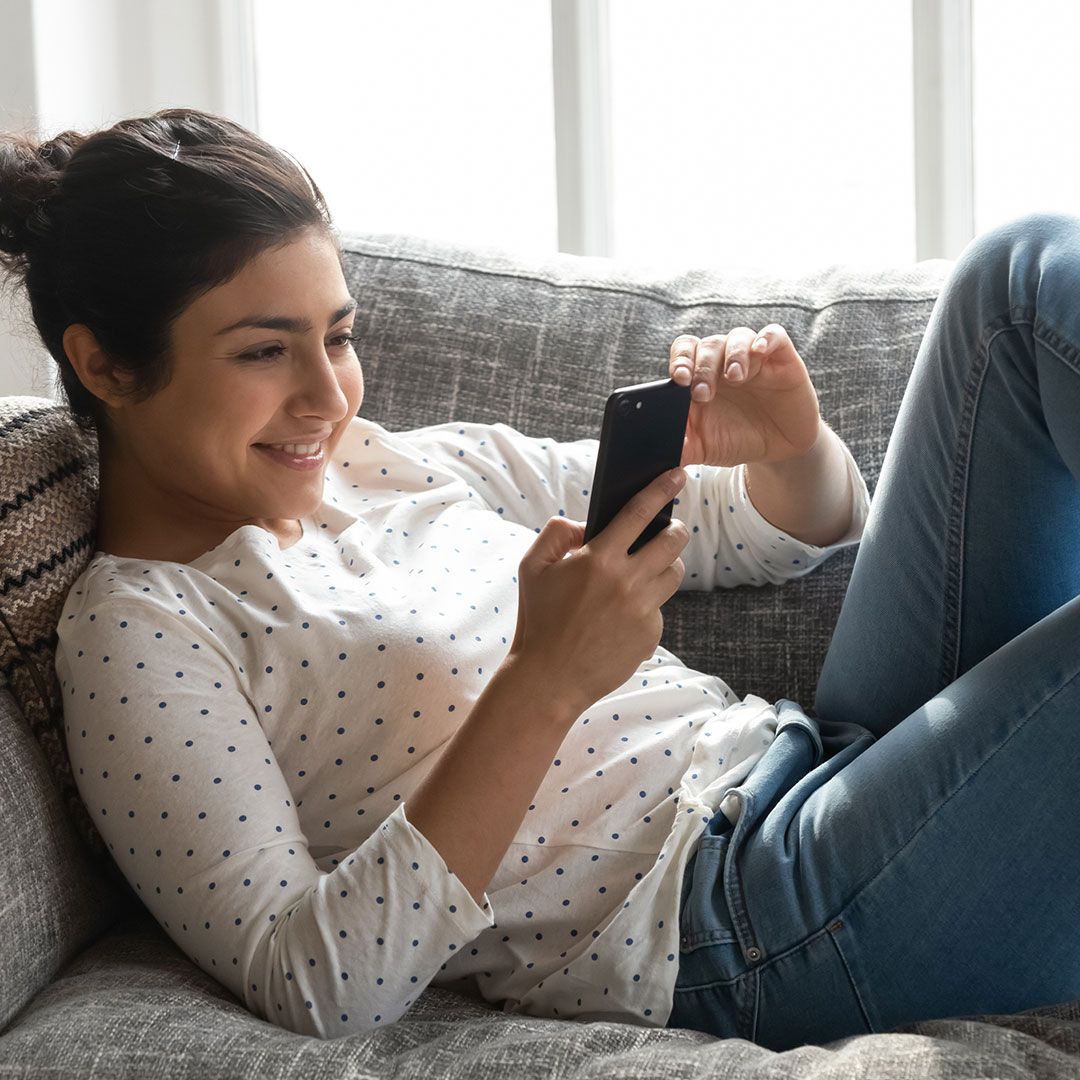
{"x": 30, "y": 174}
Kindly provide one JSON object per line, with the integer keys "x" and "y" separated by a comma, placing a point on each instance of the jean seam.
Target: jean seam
{"x": 1053, "y": 341}
{"x": 713, "y": 984}
{"x": 954, "y": 567}
{"x": 735, "y": 891}
{"x": 748, "y": 1013}
{"x": 748, "y": 1019}
{"x": 702, "y": 938}
{"x": 851, "y": 979}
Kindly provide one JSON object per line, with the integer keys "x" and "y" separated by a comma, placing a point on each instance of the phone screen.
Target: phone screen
{"x": 642, "y": 436}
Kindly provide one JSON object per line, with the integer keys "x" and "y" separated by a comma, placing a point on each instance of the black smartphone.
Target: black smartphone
{"x": 642, "y": 437}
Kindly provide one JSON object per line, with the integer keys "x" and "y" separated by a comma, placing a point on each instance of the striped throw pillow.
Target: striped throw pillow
{"x": 48, "y": 522}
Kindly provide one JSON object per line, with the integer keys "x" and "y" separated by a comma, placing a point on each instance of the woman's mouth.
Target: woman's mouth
{"x": 302, "y": 461}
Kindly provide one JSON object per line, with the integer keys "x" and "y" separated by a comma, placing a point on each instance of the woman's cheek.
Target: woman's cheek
{"x": 355, "y": 391}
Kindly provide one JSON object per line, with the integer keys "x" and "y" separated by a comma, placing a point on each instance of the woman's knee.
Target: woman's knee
{"x": 1021, "y": 264}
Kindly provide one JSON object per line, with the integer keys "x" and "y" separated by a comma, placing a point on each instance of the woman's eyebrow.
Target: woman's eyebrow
{"x": 284, "y": 322}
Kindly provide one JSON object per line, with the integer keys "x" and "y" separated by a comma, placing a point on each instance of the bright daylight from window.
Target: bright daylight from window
{"x": 415, "y": 117}
{"x": 1025, "y": 159}
{"x": 778, "y": 133}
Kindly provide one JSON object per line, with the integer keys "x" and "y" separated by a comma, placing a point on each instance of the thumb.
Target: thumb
{"x": 557, "y": 538}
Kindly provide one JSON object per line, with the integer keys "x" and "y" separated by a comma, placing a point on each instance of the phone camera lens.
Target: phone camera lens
{"x": 624, "y": 405}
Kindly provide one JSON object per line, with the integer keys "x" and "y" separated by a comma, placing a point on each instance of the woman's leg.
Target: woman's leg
{"x": 974, "y": 529}
{"x": 937, "y": 870}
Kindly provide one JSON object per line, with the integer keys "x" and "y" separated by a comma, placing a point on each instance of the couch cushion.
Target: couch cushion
{"x": 132, "y": 1006}
{"x": 54, "y": 898}
{"x": 538, "y": 341}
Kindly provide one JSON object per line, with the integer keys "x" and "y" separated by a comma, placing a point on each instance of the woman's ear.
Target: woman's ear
{"x": 95, "y": 370}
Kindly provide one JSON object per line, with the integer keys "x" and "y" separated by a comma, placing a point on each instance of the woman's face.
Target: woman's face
{"x": 192, "y": 450}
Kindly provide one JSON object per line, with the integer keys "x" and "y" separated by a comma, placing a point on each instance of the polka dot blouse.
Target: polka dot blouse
{"x": 246, "y": 730}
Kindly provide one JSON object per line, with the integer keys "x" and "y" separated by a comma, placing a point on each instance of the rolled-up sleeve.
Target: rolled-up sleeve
{"x": 178, "y": 774}
{"x": 753, "y": 551}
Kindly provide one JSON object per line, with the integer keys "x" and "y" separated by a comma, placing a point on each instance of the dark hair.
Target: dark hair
{"x": 122, "y": 229}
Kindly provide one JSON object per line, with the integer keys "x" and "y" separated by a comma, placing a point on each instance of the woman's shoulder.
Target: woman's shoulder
{"x": 111, "y": 593}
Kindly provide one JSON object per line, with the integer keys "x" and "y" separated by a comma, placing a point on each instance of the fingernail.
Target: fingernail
{"x": 682, "y": 375}
{"x": 761, "y": 344}
{"x": 734, "y": 371}
{"x": 701, "y": 392}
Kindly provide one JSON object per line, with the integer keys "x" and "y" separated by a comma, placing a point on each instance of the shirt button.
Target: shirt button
{"x": 753, "y": 953}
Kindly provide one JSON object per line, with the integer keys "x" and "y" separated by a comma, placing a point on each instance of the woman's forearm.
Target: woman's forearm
{"x": 471, "y": 804}
{"x": 808, "y": 497}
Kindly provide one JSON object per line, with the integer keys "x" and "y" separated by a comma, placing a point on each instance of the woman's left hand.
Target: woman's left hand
{"x": 767, "y": 413}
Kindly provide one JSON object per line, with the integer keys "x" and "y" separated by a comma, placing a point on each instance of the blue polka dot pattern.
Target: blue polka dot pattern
{"x": 247, "y": 728}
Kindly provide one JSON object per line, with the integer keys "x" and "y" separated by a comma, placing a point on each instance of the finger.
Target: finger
{"x": 681, "y": 360}
{"x": 627, "y": 525}
{"x": 670, "y": 580}
{"x": 660, "y": 550}
{"x": 710, "y": 358}
{"x": 771, "y": 341}
{"x": 738, "y": 354}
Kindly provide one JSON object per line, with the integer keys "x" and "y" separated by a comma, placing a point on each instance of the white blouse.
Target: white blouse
{"x": 246, "y": 730}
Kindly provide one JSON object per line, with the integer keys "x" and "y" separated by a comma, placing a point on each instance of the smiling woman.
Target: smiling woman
{"x": 186, "y": 278}
{"x": 307, "y": 700}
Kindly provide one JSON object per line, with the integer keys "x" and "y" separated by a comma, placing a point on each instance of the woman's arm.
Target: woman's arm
{"x": 808, "y": 497}
{"x": 526, "y": 480}
{"x": 172, "y": 762}
{"x": 471, "y": 805}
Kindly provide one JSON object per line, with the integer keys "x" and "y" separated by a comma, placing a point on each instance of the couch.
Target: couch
{"x": 89, "y": 984}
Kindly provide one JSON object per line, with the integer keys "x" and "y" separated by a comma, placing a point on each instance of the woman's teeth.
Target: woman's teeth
{"x": 297, "y": 449}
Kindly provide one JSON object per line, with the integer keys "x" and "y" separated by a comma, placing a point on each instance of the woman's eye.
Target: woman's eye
{"x": 271, "y": 352}
{"x": 268, "y": 353}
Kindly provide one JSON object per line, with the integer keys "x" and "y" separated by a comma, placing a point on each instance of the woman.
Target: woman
{"x": 273, "y": 655}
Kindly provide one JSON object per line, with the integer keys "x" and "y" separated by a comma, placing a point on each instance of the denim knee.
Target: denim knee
{"x": 1021, "y": 267}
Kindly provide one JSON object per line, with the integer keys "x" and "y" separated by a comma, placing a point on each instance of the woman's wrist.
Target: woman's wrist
{"x": 534, "y": 680}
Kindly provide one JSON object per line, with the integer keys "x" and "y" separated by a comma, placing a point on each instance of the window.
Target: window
{"x": 1025, "y": 90}
{"x": 434, "y": 119}
{"x": 776, "y": 133}
{"x": 765, "y": 133}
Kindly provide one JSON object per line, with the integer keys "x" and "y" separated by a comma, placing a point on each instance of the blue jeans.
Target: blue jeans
{"x": 912, "y": 850}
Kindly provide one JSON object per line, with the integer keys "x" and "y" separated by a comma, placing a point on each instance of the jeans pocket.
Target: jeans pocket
{"x": 704, "y": 919}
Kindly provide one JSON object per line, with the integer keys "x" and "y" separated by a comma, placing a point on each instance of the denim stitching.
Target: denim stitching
{"x": 851, "y": 981}
{"x": 747, "y": 1022}
{"x": 950, "y": 647}
{"x": 733, "y": 893}
{"x": 713, "y": 984}
{"x": 1057, "y": 344}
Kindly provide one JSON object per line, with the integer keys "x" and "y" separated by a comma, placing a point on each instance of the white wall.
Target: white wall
{"x": 83, "y": 65}
{"x": 21, "y": 370}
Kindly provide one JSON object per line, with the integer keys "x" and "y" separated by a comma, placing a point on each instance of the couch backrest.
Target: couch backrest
{"x": 446, "y": 332}
{"x": 449, "y": 332}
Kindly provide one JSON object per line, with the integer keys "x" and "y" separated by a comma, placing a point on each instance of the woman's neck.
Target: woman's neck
{"x": 136, "y": 521}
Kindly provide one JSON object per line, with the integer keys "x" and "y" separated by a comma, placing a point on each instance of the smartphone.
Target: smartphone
{"x": 642, "y": 437}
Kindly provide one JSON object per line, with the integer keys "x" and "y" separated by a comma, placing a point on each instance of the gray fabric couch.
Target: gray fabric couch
{"x": 90, "y": 986}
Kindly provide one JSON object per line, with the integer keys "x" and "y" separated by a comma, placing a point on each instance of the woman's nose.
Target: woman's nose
{"x": 321, "y": 383}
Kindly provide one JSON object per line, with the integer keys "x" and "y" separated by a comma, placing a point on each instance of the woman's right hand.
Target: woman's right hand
{"x": 589, "y": 614}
